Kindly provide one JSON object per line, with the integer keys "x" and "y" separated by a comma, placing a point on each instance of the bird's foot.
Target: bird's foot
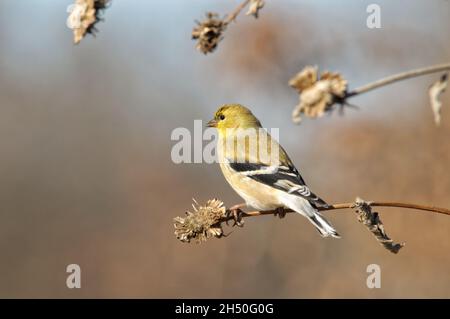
{"x": 280, "y": 212}
{"x": 235, "y": 213}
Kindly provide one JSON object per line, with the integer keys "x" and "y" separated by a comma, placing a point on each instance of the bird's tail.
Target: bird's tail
{"x": 323, "y": 226}
{"x": 303, "y": 207}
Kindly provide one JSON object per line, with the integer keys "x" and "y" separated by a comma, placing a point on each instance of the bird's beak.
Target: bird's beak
{"x": 212, "y": 123}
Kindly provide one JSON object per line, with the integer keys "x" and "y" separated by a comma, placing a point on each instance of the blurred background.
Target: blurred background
{"x": 87, "y": 177}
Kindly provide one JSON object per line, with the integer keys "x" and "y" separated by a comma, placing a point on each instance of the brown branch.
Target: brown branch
{"x": 339, "y": 206}
{"x": 206, "y": 221}
{"x": 363, "y": 210}
{"x": 233, "y": 15}
{"x": 399, "y": 77}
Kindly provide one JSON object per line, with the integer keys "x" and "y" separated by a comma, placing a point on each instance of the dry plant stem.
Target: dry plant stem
{"x": 233, "y": 15}
{"x": 433, "y": 209}
{"x": 206, "y": 220}
{"x": 399, "y": 77}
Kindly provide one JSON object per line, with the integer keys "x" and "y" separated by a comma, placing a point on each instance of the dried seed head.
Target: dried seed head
{"x": 317, "y": 96}
{"x": 201, "y": 224}
{"x": 337, "y": 84}
{"x": 313, "y": 102}
{"x": 208, "y": 32}
{"x": 304, "y": 79}
{"x": 434, "y": 93}
{"x": 373, "y": 223}
{"x": 84, "y": 14}
{"x": 254, "y": 7}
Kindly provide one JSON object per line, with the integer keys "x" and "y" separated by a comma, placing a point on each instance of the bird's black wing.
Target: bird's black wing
{"x": 282, "y": 177}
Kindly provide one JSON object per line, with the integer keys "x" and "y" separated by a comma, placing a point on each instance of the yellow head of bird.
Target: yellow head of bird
{"x": 230, "y": 116}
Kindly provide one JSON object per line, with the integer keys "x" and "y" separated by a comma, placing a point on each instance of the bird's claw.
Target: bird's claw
{"x": 280, "y": 212}
{"x": 236, "y": 215}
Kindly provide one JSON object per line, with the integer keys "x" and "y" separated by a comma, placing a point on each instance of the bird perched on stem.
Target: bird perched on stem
{"x": 259, "y": 169}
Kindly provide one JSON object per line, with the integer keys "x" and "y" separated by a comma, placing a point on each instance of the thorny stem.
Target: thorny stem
{"x": 233, "y": 15}
{"x": 433, "y": 209}
{"x": 398, "y": 77}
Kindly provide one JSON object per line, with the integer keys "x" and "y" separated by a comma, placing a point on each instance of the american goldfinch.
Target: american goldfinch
{"x": 266, "y": 182}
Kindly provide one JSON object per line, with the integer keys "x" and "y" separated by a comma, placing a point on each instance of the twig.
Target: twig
{"x": 363, "y": 209}
{"x": 339, "y": 206}
{"x": 206, "y": 221}
{"x": 398, "y": 77}
{"x": 233, "y": 15}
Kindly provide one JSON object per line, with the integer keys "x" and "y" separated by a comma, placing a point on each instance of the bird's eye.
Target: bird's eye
{"x": 222, "y": 117}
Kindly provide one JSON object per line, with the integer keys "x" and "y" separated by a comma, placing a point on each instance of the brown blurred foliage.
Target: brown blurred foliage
{"x": 87, "y": 176}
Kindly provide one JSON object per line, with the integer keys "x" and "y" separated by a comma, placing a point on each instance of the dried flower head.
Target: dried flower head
{"x": 373, "y": 223}
{"x": 254, "y": 7}
{"x": 304, "y": 79}
{"x": 201, "y": 224}
{"x": 84, "y": 14}
{"x": 338, "y": 85}
{"x": 435, "y": 92}
{"x": 317, "y": 96}
{"x": 209, "y": 32}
